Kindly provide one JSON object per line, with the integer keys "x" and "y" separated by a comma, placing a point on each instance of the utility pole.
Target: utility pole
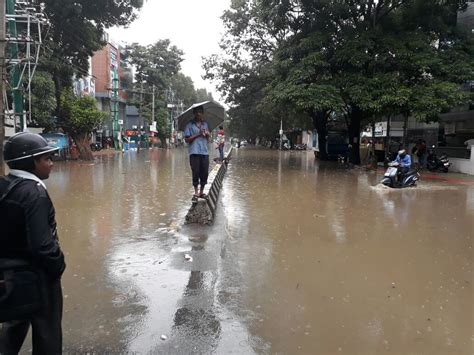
{"x": 153, "y": 105}
{"x": 16, "y": 72}
{"x": 140, "y": 118}
{"x": 117, "y": 126}
{"x": 2, "y": 83}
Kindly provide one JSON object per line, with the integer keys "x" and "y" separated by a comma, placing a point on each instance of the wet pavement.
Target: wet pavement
{"x": 303, "y": 258}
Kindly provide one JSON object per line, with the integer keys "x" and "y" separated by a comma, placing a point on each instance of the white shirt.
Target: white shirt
{"x": 26, "y": 175}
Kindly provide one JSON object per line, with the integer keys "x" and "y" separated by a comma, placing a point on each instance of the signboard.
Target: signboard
{"x": 449, "y": 128}
{"x": 120, "y": 121}
{"x": 381, "y": 129}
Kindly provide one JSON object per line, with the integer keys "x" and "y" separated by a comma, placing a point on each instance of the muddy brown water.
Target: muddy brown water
{"x": 303, "y": 258}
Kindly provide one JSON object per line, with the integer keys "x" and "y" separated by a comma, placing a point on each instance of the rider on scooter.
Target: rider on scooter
{"x": 404, "y": 160}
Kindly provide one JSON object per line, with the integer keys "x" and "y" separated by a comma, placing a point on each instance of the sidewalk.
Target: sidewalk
{"x": 450, "y": 177}
{"x": 457, "y": 178}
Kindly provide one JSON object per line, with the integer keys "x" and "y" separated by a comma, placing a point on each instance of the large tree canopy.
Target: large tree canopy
{"x": 157, "y": 70}
{"x": 77, "y": 30}
{"x": 358, "y": 59}
{"x": 79, "y": 117}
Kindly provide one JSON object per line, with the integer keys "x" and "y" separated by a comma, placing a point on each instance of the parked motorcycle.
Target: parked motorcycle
{"x": 300, "y": 146}
{"x": 95, "y": 147}
{"x": 392, "y": 177}
{"x": 434, "y": 163}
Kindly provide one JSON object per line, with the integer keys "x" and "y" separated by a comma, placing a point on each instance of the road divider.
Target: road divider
{"x": 203, "y": 210}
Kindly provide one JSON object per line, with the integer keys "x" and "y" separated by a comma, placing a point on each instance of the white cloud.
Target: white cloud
{"x": 193, "y": 26}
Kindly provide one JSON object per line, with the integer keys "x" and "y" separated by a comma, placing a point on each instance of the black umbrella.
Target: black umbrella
{"x": 214, "y": 114}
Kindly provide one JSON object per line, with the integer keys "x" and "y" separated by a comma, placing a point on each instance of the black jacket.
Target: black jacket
{"x": 28, "y": 226}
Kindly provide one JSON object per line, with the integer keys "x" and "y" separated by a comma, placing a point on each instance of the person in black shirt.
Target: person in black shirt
{"x": 29, "y": 232}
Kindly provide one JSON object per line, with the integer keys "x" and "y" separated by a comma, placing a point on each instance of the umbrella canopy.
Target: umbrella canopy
{"x": 214, "y": 114}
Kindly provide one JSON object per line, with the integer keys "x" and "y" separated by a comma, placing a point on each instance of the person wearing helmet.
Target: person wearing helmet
{"x": 27, "y": 217}
{"x": 404, "y": 160}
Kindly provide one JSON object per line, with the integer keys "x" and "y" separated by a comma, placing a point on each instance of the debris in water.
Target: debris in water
{"x": 163, "y": 337}
{"x": 393, "y": 284}
{"x": 188, "y": 257}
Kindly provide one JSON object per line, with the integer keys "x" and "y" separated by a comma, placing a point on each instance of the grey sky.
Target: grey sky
{"x": 193, "y": 26}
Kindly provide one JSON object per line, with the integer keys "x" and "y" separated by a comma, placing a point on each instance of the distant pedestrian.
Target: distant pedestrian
{"x": 422, "y": 154}
{"x": 221, "y": 142}
{"x": 197, "y": 135}
{"x": 29, "y": 235}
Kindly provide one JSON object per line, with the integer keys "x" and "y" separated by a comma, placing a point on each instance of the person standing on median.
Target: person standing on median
{"x": 29, "y": 233}
{"x": 221, "y": 142}
{"x": 196, "y": 134}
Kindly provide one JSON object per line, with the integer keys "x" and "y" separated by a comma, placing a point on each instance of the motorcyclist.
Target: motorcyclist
{"x": 404, "y": 161}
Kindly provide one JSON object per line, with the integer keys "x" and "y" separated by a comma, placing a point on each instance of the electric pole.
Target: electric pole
{"x": 2, "y": 83}
{"x": 153, "y": 105}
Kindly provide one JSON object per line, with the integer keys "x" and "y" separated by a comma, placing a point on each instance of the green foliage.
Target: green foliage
{"x": 184, "y": 87}
{"x": 79, "y": 114}
{"x": 359, "y": 59}
{"x": 203, "y": 95}
{"x": 76, "y": 31}
{"x": 43, "y": 101}
{"x": 155, "y": 64}
{"x": 157, "y": 67}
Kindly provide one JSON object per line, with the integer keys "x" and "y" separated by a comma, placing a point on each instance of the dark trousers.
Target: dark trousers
{"x": 46, "y": 326}
{"x": 200, "y": 168}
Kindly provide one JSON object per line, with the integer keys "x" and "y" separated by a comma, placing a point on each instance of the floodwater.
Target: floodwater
{"x": 303, "y": 258}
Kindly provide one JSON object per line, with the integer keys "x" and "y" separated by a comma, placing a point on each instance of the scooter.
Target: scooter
{"x": 434, "y": 163}
{"x": 286, "y": 146}
{"x": 300, "y": 146}
{"x": 95, "y": 147}
{"x": 391, "y": 177}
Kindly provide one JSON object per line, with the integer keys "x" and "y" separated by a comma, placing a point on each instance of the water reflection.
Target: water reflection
{"x": 303, "y": 257}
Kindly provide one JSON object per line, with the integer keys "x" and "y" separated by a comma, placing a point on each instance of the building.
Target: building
{"x": 106, "y": 69}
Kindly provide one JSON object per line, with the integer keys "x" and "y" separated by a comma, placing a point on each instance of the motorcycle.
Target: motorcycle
{"x": 95, "y": 147}
{"x": 393, "y": 179}
{"x": 300, "y": 146}
{"x": 434, "y": 163}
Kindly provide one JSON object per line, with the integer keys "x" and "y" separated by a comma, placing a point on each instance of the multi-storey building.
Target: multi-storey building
{"x": 106, "y": 70}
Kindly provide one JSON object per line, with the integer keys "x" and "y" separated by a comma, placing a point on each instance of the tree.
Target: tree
{"x": 241, "y": 72}
{"x": 80, "y": 116}
{"x": 43, "y": 102}
{"x": 203, "y": 95}
{"x": 155, "y": 66}
{"x": 77, "y": 31}
{"x": 376, "y": 56}
{"x": 184, "y": 87}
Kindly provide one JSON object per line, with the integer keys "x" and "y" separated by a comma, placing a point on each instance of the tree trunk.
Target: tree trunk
{"x": 354, "y": 134}
{"x": 405, "y": 131}
{"x": 387, "y": 142}
{"x": 57, "y": 92}
{"x": 84, "y": 146}
{"x": 320, "y": 124}
{"x": 373, "y": 161}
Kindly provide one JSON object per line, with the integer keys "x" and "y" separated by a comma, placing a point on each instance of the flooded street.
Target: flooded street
{"x": 303, "y": 258}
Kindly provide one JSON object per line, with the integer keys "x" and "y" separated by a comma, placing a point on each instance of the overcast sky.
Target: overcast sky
{"x": 193, "y": 26}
